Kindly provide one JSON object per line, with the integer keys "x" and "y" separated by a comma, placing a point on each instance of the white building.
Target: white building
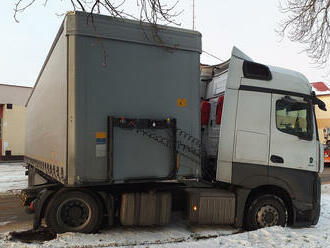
{"x": 12, "y": 121}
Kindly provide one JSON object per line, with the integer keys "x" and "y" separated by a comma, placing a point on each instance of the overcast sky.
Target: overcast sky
{"x": 249, "y": 25}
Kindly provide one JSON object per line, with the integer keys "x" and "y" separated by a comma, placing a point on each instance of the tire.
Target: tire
{"x": 264, "y": 211}
{"x": 74, "y": 211}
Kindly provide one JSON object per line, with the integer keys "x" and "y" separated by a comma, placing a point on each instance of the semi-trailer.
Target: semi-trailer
{"x": 124, "y": 126}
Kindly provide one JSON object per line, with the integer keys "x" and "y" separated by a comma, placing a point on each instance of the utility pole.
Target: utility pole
{"x": 193, "y": 17}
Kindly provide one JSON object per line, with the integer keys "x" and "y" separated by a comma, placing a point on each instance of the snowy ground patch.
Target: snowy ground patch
{"x": 12, "y": 177}
{"x": 318, "y": 236}
{"x": 4, "y": 223}
{"x": 178, "y": 234}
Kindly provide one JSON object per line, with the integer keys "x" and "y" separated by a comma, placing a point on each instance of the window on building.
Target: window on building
{"x": 0, "y": 129}
{"x": 8, "y": 153}
{"x": 9, "y": 106}
{"x": 294, "y": 118}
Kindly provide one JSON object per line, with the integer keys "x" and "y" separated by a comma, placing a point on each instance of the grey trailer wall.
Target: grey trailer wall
{"x": 46, "y": 118}
{"x": 139, "y": 80}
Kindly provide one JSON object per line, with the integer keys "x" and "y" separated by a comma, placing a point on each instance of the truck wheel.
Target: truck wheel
{"x": 74, "y": 211}
{"x": 265, "y": 211}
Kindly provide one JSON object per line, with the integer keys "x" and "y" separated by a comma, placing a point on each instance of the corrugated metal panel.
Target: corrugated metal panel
{"x": 211, "y": 206}
{"x": 145, "y": 209}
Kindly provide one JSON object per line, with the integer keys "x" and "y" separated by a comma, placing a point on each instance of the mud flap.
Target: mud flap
{"x": 39, "y": 205}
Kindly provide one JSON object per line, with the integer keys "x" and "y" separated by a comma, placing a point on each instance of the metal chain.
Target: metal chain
{"x": 181, "y": 148}
{"x": 191, "y": 153}
{"x": 189, "y": 137}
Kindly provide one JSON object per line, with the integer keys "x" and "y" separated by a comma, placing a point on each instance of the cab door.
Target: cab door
{"x": 293, "y": 142}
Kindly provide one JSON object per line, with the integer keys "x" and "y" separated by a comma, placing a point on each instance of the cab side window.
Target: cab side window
{"x": 294, "y": 118}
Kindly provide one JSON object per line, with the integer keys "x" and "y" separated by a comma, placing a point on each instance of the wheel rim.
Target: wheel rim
{"x": 267, "y": 216}
{"x": 73, "y": 214}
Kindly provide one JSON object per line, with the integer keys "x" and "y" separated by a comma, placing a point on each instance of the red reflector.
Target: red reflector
{"x": 31, "y": 206}
{"x": 205, "y": 112}
{"x": 219, "y": 110}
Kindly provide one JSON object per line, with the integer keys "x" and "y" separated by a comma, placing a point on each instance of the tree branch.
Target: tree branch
{"x": 307, "y": 22}
{"x": 152, "y": 11}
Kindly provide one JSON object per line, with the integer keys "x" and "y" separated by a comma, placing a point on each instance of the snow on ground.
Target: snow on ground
{"x": 12, "y": 177}
{"x": 181, "y": 235}
{"x": 4, "y": 223}
{"x": 178, "y": 234}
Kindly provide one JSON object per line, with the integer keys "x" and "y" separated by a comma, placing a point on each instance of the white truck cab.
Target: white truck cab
{"x": 267, "y": 136}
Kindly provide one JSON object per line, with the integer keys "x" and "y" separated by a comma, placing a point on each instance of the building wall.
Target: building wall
{"x": 1, "y": 106}
{"x": 14, "y": 94}
{"x": 323, "y": 117}
{"x": 13, "y": 130}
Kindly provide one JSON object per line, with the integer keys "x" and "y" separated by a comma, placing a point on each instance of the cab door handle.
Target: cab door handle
{"x": 276, "y": 159}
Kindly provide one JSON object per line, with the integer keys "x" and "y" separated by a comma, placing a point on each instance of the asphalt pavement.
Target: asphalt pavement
{"x": 12, "y": 214}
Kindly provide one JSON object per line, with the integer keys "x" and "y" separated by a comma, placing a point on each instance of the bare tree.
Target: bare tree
{"x": 152, "y": 11}
{"x": 307, "y": 22}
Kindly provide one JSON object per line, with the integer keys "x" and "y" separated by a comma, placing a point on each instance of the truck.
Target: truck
{"x": 124, "y": 126}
